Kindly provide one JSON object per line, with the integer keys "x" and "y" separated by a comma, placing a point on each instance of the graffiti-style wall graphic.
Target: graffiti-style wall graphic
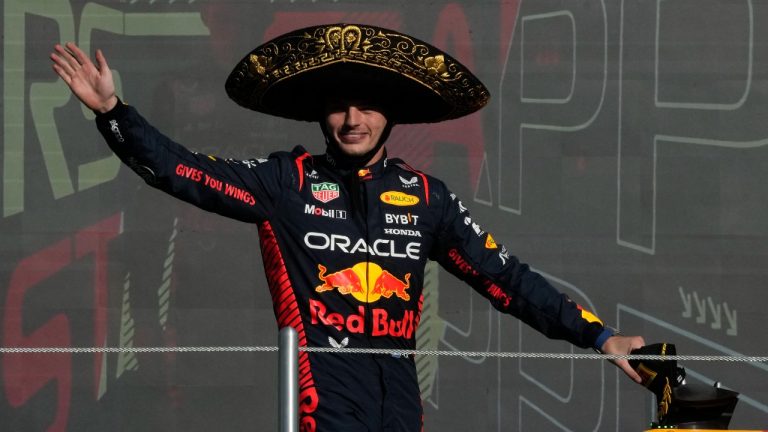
{"x": 623, "y": 155}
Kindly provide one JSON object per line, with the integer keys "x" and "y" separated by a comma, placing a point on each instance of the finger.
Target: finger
{"x": 639, "y": 342}
{"x": 61, "y": 73}
{"x": 67, "y": 56}
{"x": 80, "y": 56}
{"x": 624, "y": 365}
{"x": 103, "y": 66}
{"x": 63, "y": 64}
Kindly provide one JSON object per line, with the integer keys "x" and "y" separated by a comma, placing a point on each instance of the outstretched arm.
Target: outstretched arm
{"x": 92, "y": 84}
{"x": 471, "y": 254}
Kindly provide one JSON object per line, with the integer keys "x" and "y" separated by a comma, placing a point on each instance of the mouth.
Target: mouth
{"x": 352, "y": 137}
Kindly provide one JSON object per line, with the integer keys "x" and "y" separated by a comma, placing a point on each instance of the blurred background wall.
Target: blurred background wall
{"x": 623, "y": 155}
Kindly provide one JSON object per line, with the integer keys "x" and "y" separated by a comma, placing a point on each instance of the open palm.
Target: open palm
{"x": 92, "y": 84}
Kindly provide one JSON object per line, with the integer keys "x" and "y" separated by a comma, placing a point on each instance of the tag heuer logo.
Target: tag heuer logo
{"x": 325, "y": 192}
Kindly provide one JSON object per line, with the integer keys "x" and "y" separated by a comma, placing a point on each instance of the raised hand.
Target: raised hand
{"x": 92, "y": 84}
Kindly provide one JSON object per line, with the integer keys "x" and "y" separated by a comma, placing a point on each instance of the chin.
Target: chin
{"x": 354, "y": 150}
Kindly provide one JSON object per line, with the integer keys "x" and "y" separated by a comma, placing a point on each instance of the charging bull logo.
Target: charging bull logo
{"x": 352, "y": 281}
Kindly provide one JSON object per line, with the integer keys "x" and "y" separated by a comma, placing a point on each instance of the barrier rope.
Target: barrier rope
{"x": 393, "y": 352}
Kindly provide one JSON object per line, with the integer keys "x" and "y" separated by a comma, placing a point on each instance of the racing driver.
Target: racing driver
{"x": 345, "y": 235}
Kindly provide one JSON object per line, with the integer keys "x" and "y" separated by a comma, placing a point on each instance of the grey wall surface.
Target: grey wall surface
{"x": 623, "y": 155}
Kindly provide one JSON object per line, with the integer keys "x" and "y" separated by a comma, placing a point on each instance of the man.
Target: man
{"x": 345, "y": 236}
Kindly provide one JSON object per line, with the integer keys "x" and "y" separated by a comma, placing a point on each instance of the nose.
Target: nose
{"x": 353, "y": 116}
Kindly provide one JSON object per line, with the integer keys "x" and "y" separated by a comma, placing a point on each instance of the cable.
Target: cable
{"x": 394, "y": 352}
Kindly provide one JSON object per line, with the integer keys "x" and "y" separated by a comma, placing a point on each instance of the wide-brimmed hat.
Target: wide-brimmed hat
{"x": 294, "y": 75}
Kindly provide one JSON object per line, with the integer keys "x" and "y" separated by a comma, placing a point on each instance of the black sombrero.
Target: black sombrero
{"x": 292, "y": 75}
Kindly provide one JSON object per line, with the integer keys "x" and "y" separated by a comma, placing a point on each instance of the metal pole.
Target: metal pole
{"x": 288, "y": 385}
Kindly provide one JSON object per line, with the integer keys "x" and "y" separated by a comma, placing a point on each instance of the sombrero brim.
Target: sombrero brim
{"x": 293, "y": 75}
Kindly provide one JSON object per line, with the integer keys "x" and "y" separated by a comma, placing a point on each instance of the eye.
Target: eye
{"x": 334, "y": 108}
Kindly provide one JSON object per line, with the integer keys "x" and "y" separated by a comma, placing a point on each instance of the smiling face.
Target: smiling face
{"x": 356, "y": 126}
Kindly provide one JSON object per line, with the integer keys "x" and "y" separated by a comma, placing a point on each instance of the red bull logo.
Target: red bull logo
{"x": 382, "y": 322}
{"x": 353, "y": 281}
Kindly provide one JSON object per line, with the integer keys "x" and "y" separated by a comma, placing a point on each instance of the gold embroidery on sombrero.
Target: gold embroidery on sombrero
{"x": 259, "y": 64}
{"x": 315, "y": 48}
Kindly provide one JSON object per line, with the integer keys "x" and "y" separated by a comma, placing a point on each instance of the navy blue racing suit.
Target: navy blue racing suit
{"x": 344, "y": 253}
